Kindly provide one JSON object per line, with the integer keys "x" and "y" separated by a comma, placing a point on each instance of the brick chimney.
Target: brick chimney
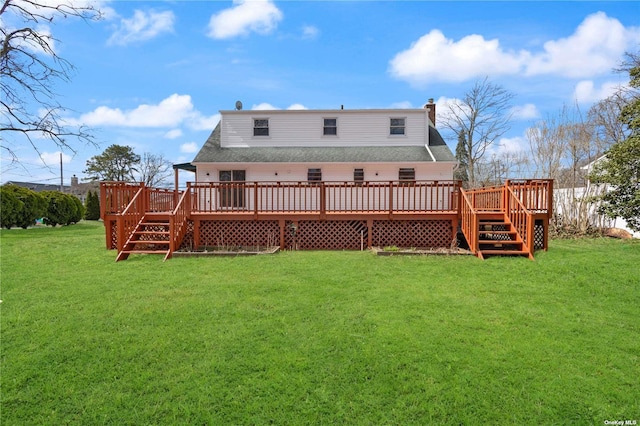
{"x": 431, "y": 107}
{"x": 74, "y": 181}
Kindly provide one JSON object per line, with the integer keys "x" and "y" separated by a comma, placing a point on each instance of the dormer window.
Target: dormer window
{"x": 261, "y": 127}
{"x": 396, "y": 126}
{"x": 330, "y": 127}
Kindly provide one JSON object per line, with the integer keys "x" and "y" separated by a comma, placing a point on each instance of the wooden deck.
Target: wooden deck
{"x": 383, "y": 213}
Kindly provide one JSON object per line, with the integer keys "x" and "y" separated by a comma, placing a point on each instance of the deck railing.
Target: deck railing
{"x": 116, "y": 196}
{"x": 178, "y": 222}
{"x": 535, "y": 194}
{"x": 488, "y": 199}
{"x": 160, "y": 199}
{"x": 130, "y": 217}
{"x": 324, "y": 197}
{"x": 520, "y": 217}
{"x": 469, "y": 223}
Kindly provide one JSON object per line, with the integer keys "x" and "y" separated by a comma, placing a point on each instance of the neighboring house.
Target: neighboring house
{"x": 325, "y": 145}
{"x": 76, "y": 188}
{"x": 37, "y": 187}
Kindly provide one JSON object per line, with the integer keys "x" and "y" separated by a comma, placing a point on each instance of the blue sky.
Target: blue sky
{"x": 154, "y": 74}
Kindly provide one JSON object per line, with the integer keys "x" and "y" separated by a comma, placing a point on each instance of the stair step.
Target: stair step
{"x": 149, "y": 242}
{"x": 482, "y": 231}
{"x": 510, "y": 252}
{"x": 494, "y": 242}
{"x": 143, "y": 251}
{"x": 154, "y": 224}
{"x": 151, "y": 232}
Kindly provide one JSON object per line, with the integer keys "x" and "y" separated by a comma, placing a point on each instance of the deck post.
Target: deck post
{"x": 255, "y": 200}
{"x": 505, "y": 196}
{"x": 196, "y": 234}
{"x": 369, "y": 232}
{"x": 103, "y": 200}
{"x": 390, "y": 199}
{"x": 176, "y": 193}
{"x": 323, "y": 201}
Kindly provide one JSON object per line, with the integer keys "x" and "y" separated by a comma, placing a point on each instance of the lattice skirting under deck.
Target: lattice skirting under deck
{"x": 326, "y": 235}
{"x": 112, "y": 240}
{"x": 413, "y": 233}
{"x": 323, "y": 235}
{"x": 538, "y": 234}
{"x": 226, "y": 233}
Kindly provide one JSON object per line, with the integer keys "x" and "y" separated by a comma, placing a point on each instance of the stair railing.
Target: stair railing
{"x": 178, "y": 222}
{"x": 469, "y": 223}
{"x": 521, "y": 218}
{"x": 131, "y": 217}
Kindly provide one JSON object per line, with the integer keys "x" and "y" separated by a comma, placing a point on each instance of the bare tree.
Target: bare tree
{"x": 548, "y": 142}
{"x": 29, "y": 69}
{"x": 604, "y": 115}
{"x": 482, "y": 116}
{"x": 561, "y": 148}
{"x": 154, "y": 169}
{"x": 501, "y": 166}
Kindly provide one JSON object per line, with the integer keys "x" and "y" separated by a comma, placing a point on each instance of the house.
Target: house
{"x": 76, "y": 188}
{"x": 325, "y": 179}
{"x": 325, "y": 145}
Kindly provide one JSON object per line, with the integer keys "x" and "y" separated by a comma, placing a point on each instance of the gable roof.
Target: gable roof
{"x": 212, "y": 152}
{"x": 37, "y": 187}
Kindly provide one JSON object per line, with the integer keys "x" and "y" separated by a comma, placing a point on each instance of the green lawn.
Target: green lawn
{"x": 316, "y": 337}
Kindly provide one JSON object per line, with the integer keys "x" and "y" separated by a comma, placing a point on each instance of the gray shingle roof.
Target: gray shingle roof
{"x": 212, "y": 152}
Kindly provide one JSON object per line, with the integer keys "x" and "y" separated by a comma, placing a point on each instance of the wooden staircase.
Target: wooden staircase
{"x": 151, "y": 236}
{"x": 497, "y": 237}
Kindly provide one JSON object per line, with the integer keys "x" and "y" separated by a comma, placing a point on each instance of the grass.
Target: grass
{"x": 316, "y": 337}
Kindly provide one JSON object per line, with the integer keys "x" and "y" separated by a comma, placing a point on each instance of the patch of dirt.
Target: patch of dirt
{"x": 226, "y": 251}
{"x": 394, "y": 251}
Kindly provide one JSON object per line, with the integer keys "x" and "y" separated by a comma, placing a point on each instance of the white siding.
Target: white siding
{"x": 331, "y": 172}
{"x": 305, "y": 128}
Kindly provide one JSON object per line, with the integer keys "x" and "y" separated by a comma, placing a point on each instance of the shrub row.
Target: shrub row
{"x": 22, "y": 207}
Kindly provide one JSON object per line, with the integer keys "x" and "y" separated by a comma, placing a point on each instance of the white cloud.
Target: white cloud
{"x": 142, "y": 26}
{"x": 310, "y": 32}
{"x": 171, "y": 112}
{"x": 263, "y": 107}
{"x": 296, "y": 107}
{"x": 511, "y": 145}
{"x": 200, "y": 122}
{"x": 244, "y": 17}
{"x": 586, "y": 91}
{"x": 525, "y": 112}
{"x": 594, "y": 48}
{"x": 173, "y": 134}
{"x": 435, "y": 57}
{"x": 189, "y": 147}
{"x": 52, "y": 158}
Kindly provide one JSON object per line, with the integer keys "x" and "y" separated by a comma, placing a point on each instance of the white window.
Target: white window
{"x": 330, "y": 127}
{"x": 396, "y": 126}
{"x": 261, "y": 127}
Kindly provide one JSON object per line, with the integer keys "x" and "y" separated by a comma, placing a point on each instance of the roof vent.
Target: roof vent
{"x": 238, "y": 105}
